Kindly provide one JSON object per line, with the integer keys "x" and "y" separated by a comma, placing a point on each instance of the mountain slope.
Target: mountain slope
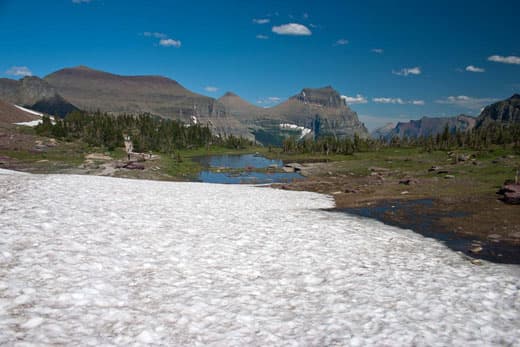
{"x": 322, "y": 110}
{"x": 504, "y": 112}
{"x": 97, "y": 90}
{"x": 241, "y": 108}
{"x": 427, "y": 126}
{"x": 382, "y": 132}
{"x": 12, "y": 114}
{"x": 36, "y": 94}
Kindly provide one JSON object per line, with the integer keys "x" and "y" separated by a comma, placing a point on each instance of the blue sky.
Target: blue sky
{"x": 394, "y": 60}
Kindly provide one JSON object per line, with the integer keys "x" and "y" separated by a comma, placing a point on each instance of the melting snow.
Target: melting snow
{"x": 100, "y": 261}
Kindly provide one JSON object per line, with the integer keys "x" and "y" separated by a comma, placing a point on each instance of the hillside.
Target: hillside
{"x": 241, "y": 108}
{"x": 97, "y": 90}
{"x": 431, "y": 126}
{"x": 36, "y": 94}
{"x": 503, "y": 112}
{"x": 12, "y": 114}
{"x": 321, "y": 110}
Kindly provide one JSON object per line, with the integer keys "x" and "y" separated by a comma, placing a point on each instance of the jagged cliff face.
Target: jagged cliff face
{"x": 504, "y": 112}
{"x": 322, "y": 110}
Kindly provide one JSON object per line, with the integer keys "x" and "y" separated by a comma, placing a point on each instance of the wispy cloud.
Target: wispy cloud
{"x": 81, "y": 1}
{"x": 262, "y": 37}
{"x": 269, "y": 101}
{"x": 341, "y": 42}
{"x": 505, "y": 60}
{"x": 211, "y": 89}
{"x": 170, "y": 43}
{"x": 358, "y": 99}
{"x": 19, "y": 71}
{"x": 261, "y": 20}
{"x": 466, "y": 101}
{"x": 408, "y": 71}
{"x": 155, "y": 34}
{"x": 397, "y": 101}
{"x": 294, "y": 29}
{"x": 472, "y": 68}
{"x": 377, "y": 50}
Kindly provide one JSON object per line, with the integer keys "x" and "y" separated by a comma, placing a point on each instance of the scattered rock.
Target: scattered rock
{"x": 442, "y": 172}
{"x": 434, "y": 168}
{"x": 475, "y": 249}
{"x": 337, "y": 193}
{"x": 405, "y": 192}
{"x": 295, "y": 166}
{"x": 511, "y": 193}
{"x": 477, "y": 262}
{"x": 350, "y": 190}
{"x": 448, "y": 177}
{"x": 133, "y": 166}
{"x": 378, "y": 169}
{"x": 494, "y": 236}
{"x": 408, "y": 181}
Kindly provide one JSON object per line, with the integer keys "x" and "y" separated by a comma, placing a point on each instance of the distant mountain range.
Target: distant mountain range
{"x": 320, "y": 110}
{"x": 312, "y": 112}
{"x": 503, "y": 112}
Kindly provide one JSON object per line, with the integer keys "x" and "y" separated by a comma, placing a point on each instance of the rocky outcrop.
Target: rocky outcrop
{"x": 505, "y": 112}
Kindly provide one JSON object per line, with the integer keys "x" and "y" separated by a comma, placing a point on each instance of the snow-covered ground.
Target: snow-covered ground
{"x": 90, "y": 260}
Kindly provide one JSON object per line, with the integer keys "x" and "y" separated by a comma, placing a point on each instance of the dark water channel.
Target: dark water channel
{"x": 421, "y": 217}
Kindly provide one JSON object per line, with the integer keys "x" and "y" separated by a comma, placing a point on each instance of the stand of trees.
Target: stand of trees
{"x": 476, "y": 139}
{"x": 148, "y": 133}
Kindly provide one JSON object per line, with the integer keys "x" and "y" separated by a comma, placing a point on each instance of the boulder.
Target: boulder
{"x": 408, "y": 181}
{"x": 511, "y": 193}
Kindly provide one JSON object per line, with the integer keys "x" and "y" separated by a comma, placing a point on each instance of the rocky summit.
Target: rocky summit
{"x": 506, "y": 112}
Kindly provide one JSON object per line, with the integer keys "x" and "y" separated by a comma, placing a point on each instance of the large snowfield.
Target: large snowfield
{"x": 100, "y": 261}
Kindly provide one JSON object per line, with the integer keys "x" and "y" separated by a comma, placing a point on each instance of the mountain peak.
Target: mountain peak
{"x": 229, "y": 94}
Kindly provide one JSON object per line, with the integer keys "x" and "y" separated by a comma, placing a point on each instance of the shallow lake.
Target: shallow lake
{"x": 243, "y": 168}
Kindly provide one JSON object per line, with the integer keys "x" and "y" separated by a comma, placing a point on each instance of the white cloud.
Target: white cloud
{"x": 397, "y": 101}
{"x": 19, "y": 71}
{"x": 408, "y": 71}
{"x": 211, "y": 89}
{"x": 341, "y": 42}
{"x": 505, "y": 60}
{"x": 466, "y": 101}
{"x": 389, "y": 101}
{"x": 262, "y": 37}
{"x": 155, "y": 34}
{"x": 170, "y": 43}
{"x": 358, "y": 99}
{"x": 472, "y": 68}
{"x": 261, "y": 20}
{"x": 292, "y": 29}
{"x": 377, "y": 50}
